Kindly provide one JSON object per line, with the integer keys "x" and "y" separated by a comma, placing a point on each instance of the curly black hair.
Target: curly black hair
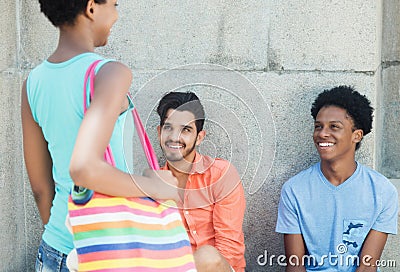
{"x": 64, "y": 12}
{"x": 357, "y": 106}
{"x": 182, "y": 101}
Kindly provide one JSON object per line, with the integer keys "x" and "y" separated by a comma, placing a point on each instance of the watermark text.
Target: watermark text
{"x": 330, "y": 259}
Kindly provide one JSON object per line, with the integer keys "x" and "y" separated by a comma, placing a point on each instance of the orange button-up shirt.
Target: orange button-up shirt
{"x": 214, "y": 207}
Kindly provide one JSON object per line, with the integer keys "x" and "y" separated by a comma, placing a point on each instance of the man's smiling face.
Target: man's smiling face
{"x": 178, "y": 136}
{"x": 334, "y": 134}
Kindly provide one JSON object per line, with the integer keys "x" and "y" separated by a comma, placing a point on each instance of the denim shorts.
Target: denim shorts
{"x": 50, "y": 260}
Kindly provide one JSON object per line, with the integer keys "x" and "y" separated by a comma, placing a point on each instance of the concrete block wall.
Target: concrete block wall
{"x": 388, "y": 157}
{"x": 19, "y": 225}
{"x": 390, "y": 160}
{"x": 256, "y": 65}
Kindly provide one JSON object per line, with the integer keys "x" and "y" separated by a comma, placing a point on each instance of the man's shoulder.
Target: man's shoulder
{"x": 371, "y": 172}
{"x": 217, "y": 163}
{"x": 303, "y": 176}
{"x": 377, "y": 179}
{"x": 218, "y": 167}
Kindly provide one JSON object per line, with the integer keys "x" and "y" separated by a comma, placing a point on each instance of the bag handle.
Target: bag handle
{"x": 144, "y": 140}
{"x": 90, "y": 75}
{"x": 143, "y": 137}
{"x": 81, "y": 195}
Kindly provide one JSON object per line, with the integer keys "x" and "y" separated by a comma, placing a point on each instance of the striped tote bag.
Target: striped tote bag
{"x": 116, "y": 234}
{"x": 129, "y": 234}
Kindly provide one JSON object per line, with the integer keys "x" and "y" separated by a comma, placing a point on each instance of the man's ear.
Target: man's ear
{"x": 358, "y": 134}
{"x": 90, "y": 7}
{"x": 200, "y": 137}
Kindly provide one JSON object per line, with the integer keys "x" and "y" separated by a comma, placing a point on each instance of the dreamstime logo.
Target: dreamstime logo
{"x": 330, "y": 260}
{"x": 341, "y": 249}
{"x": 239, "y": 124}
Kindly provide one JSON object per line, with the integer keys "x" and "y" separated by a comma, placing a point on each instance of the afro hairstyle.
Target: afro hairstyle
{"x": 357, "y": 106}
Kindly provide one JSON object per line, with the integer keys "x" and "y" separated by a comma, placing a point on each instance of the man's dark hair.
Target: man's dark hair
{"x": 182, "y": 101}
{"x": 64, "y": 12}
{"x": 358, "y": 106}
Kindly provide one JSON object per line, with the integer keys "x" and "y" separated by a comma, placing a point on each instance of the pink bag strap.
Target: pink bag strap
{"x": 90, "y": 75}
{"x": 144, "y": 140}
{"x": 143, "y": 137}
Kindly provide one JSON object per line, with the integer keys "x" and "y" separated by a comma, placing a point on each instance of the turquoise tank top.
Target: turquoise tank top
{"x": 55, "y": 96}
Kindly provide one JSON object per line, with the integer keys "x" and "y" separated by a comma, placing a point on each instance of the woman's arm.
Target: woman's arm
{"x": 87, "y": 167}
{"x": 37, "y": 160}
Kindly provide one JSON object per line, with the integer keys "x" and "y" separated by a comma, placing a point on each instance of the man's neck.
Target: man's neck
{"x": 181, "y": 169}
{"x": 337, "y": 172}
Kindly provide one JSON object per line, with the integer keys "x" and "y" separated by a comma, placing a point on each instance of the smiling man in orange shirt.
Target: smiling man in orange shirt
{"x": 213, "y": 195}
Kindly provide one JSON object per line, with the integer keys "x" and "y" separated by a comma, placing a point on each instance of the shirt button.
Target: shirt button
{"x": 186, "y": 212}
{"x": 194, "y": 232}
